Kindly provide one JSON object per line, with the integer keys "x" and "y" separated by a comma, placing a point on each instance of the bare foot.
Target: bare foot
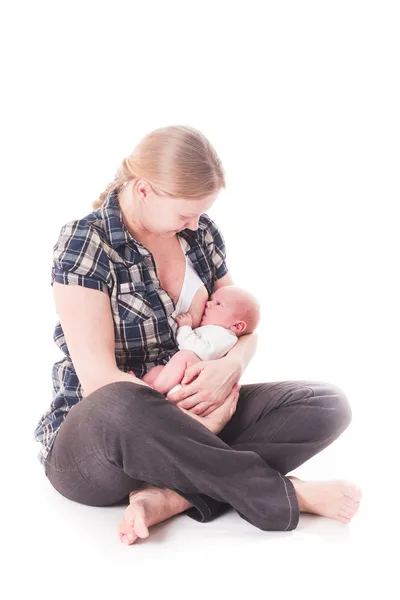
{"x": 148, "y": 506}
{"x": 334, "y": 499}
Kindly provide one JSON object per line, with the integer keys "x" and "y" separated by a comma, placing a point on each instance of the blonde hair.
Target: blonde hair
{"x": 178, "y": 161}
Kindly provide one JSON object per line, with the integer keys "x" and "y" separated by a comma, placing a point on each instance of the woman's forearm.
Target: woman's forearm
{"x": 111, "y": 377}
{"x": 242, "y": 352}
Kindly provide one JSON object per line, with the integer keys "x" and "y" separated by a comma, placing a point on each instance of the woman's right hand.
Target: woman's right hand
{"x": 217, "y": 420}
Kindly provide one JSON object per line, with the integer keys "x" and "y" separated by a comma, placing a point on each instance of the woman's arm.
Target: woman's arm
{"x": 206, "y": 384}
{"x": 86, "y": 318}
{"x": 242, "y": 352}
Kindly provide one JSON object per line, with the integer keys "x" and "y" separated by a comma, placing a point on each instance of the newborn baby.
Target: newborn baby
{"x": 230, "y": 313}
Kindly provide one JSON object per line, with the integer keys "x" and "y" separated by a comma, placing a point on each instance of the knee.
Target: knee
{"x": 122, "y": 402}
{"x": 187, "y": 356}
{"x": 339, "y": 409}
{"x": 152, "y": 375}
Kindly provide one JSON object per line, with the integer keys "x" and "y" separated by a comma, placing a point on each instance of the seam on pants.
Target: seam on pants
{"x": 292, "y": 415}
{"x": 75, "y": 464}
{"x": 290, "y": 504}
{"x": 204, "y": 505}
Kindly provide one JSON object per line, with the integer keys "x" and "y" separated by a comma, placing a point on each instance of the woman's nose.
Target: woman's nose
{"x": 194, "y": 224}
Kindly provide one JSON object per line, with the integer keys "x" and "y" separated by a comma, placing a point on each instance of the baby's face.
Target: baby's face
{"x": 222, "y": 308}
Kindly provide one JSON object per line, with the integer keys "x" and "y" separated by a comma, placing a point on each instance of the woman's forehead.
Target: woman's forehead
{"x": 193, "y": 208}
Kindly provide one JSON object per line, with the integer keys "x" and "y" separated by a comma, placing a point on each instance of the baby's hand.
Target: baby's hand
{"x": 184, "y": 319}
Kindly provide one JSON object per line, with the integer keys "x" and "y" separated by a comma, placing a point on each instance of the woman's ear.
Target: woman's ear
{"x": 143, "y": 189}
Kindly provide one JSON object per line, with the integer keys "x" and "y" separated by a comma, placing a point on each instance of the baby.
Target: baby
{"x": 230, "y": 313}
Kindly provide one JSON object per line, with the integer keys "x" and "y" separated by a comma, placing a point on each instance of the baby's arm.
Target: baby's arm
{"x": 188, "y": 340}
{"x": 216, "y": 345}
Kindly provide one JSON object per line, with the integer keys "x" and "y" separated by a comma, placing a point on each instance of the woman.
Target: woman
{"x": 118, "y": 276}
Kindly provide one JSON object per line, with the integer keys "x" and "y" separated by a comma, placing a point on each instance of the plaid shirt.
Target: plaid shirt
{"x": 98, "y": 252}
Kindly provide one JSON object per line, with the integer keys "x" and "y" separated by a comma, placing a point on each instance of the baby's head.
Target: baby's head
{"x": 233, "y": 308}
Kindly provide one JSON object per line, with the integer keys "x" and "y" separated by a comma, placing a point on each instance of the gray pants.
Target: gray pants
{"x": 124, "y": 434}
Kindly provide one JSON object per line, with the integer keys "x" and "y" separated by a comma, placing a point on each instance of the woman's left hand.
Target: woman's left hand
{"x": 206, "y": 385}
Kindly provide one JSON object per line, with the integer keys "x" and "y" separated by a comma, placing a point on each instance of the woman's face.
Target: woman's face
{"x": 165, "y": 216}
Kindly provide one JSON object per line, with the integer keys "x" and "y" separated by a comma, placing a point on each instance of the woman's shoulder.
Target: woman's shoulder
{"x": 87, "y": 230}
{"x": 79, "y": 254}
{"x": 81, "y": 243}
{"x": 213, "y": 243}
{"x": 210, "y": 232}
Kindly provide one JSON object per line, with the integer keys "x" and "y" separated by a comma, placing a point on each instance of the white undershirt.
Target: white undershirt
{"x": 191, "y": 284}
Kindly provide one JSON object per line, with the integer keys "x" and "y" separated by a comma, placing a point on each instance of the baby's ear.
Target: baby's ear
{"x": 240, "y": 327}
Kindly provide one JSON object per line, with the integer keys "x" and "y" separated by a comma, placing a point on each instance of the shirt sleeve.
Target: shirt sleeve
{"x": 216, "y": 248}
{"x": 79, "y": 259}
{"x": 216, "y": 345}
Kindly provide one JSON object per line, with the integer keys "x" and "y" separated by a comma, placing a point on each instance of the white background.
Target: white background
{"x": 301, "y": 101}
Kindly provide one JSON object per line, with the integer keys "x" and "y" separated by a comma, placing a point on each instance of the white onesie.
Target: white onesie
{"x": 208, "y": 342}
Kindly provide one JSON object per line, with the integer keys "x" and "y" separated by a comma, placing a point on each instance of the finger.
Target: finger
{"x": 191, "y": 372}
{"x": 232, "y": 400}
{"x": 208, "y": 411}
{"x": 192, "y": 401}
{"x": 228, "y": 405}
{"x": 184, "y": 392}
{"x": 216, "y": 406}
{"x": 236, "y": 394}
{"x": 199, "y": 408}
{"x": 233, "y": 407}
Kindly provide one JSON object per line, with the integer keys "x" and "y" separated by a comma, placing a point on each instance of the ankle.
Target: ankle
{"x": 298, "y": 485}
{"x": 179, "y": 502}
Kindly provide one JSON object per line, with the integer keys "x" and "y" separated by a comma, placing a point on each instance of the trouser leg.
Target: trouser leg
{"x": 285, "y": 423}
{"x": 125, "y": 433}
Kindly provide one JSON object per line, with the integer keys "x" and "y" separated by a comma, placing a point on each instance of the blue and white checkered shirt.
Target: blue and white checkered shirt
{"x": 99, "y": 252}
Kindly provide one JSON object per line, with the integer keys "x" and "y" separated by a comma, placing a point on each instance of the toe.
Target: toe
{"x": 140, "y": 527}
{"x": 131, "y": 537}
{"x": 345, "y": 514}
{"x": 342, "y": 519}
{"x": 128, "y": 538}
{"x": 136, "y": 521}
{"x": 350, "y": 505}
{"x": 352, "y": 491}
{"x": 122, "y": 529}
{"x": 126, "y": 531}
